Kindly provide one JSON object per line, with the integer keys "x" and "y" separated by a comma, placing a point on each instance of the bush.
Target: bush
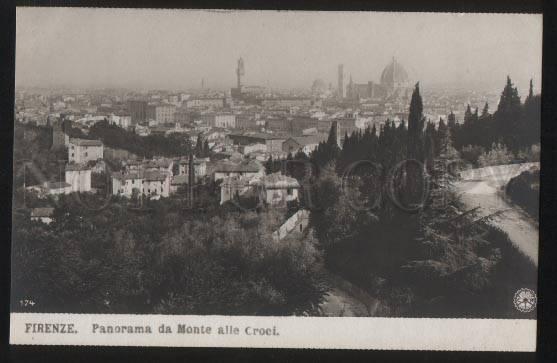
{"x": 531, "y": 154}
{"x": 498, "y": 155}
{"x": 524, "y": 190}
{"x": 471, "y": 153}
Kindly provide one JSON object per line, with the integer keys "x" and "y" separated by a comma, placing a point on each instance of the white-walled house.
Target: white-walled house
{"x": 232, "y": 186}
{"x": 43, "y": 215}
{"x": 199, "y": 167}
{"x": 156, "y": 184}
{"x": 121, "y": 120}
{"x": 56, "y": 188}
{"x": 152, "y": 184}
{"x": 79, "y": 177}
{"x": 247, "y": 168}
{"x": 82, "y": 151}
{"x": 124, "y": 184}
{"x": 277, "y": 189}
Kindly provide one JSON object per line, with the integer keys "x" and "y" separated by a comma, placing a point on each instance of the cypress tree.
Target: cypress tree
{"x": 269, "y": 165}
{"x": 199, "y": 146}
{"x": 206, "y": 149}
{"x": 485, "y": 111}
{"x": 508, "y": 115}
{"x": 451, "y": 119}
{"x": 415, "y": 125}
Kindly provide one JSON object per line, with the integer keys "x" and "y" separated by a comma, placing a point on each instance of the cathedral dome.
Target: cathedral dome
{"x": 394, "y": 74}
{"x": 318, "y": 86}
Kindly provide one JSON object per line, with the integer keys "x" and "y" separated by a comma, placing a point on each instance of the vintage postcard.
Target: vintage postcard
{"x": 205, "y": 178}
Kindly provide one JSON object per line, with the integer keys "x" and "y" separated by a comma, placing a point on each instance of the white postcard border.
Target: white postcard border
{"x": 284, "y": 332}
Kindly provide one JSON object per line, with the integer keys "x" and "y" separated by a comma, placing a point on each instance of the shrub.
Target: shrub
{"x": 498, "y": 155}
{"x": 471, "y": 153}
{"x": 531, "y": 154}
{"x": 524, "y": 191}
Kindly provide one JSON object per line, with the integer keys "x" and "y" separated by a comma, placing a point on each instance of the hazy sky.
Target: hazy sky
{"x": 175, "y": 49}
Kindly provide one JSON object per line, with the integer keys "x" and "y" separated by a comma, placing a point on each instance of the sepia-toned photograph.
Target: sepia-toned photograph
{"x": 246, "y": 164}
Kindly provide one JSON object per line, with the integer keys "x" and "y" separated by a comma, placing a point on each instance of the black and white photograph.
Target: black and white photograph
{"x": 292, "y": 164}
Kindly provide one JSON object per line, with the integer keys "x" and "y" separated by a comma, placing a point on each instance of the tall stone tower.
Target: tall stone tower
{"x": 191, "y": 179}
{"x": 239, "y": 73}
{"x": 340, "y": 85}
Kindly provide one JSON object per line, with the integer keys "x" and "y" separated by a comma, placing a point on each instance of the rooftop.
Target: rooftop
{"x": 77, "y": 167}
{"x": 248, "y": 166}
{"x": 309, "y": 139}
{"x": 155, "y": 175}
{"x": 85, "y": 142}
{"x": 259, "y": 135}
{"x": 42, "y": 212}
{"x": 56, "y": 185}
{"x": 179, "y": 180}
{"x": 278, "y": 181}
{"x": 126, "y": 176}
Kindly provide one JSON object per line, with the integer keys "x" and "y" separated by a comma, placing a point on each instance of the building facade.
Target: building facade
{"x": 161, "y": 113}
{"x": 82, "y": 151}
{"x": 138, "y": 110}
{"x": 205, "y": 102}
{"x": 78, "y": 177}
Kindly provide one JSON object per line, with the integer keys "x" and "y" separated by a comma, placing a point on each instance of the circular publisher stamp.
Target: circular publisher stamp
{"x": 525, "y": 300}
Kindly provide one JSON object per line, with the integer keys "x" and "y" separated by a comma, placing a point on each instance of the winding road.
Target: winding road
{"x": 484, "y": 187}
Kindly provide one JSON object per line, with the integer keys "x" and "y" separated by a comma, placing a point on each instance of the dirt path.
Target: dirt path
{"x": 345, "y": 299}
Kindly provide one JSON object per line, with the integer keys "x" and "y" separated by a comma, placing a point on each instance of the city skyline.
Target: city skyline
{"x": 104, "y": 47}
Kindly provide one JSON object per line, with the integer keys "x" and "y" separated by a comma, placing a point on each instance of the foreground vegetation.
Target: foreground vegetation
{"x": 524, "y": 190}
{"x": 161, "y": 258}
{"x": 420, "y": 253}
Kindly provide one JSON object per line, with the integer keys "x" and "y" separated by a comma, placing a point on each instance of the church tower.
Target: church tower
{"x": 340, "y": 85}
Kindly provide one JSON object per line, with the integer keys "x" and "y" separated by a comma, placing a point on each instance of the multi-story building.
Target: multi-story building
{"x": 127, "y": 184}
{"x": 233, "y": 186}
{"x": 306, "y": 144}
{"x": 59, "y": 138}
{"x": 247, "y": 168}
{"x": 277, "y": 189}
{"x": 82, "y": 151}
{"x": 79, "y": 177}
{"x": 205, "y": 102}
{"x": 222, "y": 120}
{"x": 162, "y": 113}
{"x": 182, "y": 116}
{"x": 156, "y": 184}
{"x": 246, "y": 122}
{"x": 200, "y": 168}
{"x": 152, "y": 184}
{"x": 138, "y": 110}
{"x": 121, "y": 120}
{"x": 161, "y": 164}
{"x": 286, "y": 102}
{"x": 272, "y": 142}
{"x": 226, "y": 121}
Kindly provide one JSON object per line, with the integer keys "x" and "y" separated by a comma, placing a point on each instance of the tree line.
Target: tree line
{"x": 515, "y": 124}
{"x": 395, "y": 227}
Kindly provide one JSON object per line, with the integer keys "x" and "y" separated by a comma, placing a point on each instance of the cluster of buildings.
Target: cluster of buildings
{"x": 85, "y": 157}
{"x": 162, "y": 177}
{"x": 243, "y": 126}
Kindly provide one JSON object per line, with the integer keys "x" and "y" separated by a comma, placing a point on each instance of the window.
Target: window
{"x": 289, "y": 191}
{"x": 86, "y": 153}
